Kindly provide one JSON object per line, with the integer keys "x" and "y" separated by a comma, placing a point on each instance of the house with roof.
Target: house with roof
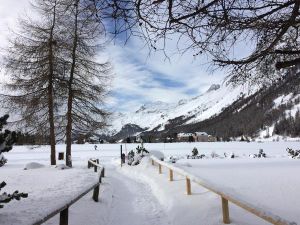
{"x": 200, "y": 137}
{"x": 194, "y": 137}
{"x": 185, "y": 137}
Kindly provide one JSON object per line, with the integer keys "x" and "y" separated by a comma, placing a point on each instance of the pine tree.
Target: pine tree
{"x": 5, "y": 198}
{"x": 7, "y": 139}
{"x": 194, "y": 151}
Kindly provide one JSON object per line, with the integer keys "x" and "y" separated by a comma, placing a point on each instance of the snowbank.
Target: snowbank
{"x": 47, "y": 188}
{"x": 33, "y": 165}
{"x": 239, "y": 178}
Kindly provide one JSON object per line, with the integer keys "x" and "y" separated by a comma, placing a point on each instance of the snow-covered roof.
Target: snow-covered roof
{"x": 201, "y": 133}
{"x": 184, "y": 134}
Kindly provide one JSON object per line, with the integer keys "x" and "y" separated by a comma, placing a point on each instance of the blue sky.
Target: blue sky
{"x": 138, "y": 77}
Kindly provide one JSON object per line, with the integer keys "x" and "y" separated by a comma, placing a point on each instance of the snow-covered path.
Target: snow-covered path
{"x": 123, "y": 201}
{"x": 130, "y": 202}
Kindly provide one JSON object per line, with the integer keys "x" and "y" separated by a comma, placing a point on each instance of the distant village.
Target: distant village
{"x": 25, "y": 139}
{"x": 179, "y": 137}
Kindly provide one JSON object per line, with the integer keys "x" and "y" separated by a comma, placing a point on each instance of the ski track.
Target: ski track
{"x": 131, "y": 201}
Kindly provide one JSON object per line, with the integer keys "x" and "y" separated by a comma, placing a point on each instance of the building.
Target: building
{"x": 200, "y": 137}
{"x": 194, "y": 137}
{"x": 184, "y": 137}
{"x": 212, "y": 138}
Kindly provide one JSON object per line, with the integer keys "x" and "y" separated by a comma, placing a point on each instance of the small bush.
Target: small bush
{"x": 295, "y": 154}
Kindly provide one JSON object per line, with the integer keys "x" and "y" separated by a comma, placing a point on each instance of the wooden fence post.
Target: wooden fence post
{"x": 225, "y": 210}
{"x": 171, "y": 175}
{"x": 188, "y": 186}
{"x": 103, "y": 172}
{"x": 152, "y": 162}
{"x": 100, "y": 177}
{"x": 96, "y": 193}
{"x": 64, "y": 217}
{"x": 159, "y": 169}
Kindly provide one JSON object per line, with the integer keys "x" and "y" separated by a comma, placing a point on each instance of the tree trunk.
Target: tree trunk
{"x": 50, "y": 92}
{"x": 70, "y": 91}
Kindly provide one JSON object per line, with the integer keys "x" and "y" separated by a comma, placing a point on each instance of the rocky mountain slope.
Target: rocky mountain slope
{"x": 224, "y": 111}
{"x": 157, "y": 115}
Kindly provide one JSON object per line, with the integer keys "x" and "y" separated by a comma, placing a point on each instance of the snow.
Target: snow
{"x": 122, "y": 201}
{"x": 258, "y": 183}
{"x": 293, "y": 110}
{"x": 33, "y": 165}
{"x": 47, "y": 188}
{"x": 61, "y": 167}
{"x": 157, "y": 154}
{"x": 228, "y": 176}
{"x": 283, "y": 99}
{"x": 138, "y": 195}
{"x": 184, "y": 134}
{"x": 267, "y": 133}
{"x": 204, "y": 106}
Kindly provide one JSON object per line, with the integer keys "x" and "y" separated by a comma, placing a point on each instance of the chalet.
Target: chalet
{"x": 212, "y": 138}
{"x": 184, "y": 137}
{"x": 194, "y": 137}
{"x": 200, "y": 137}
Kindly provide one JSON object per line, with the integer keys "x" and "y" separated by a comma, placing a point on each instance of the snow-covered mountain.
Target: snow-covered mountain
{"x": 156, "y": 115}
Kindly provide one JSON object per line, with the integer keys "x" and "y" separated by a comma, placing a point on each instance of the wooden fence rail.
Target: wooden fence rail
{"x": 225, "y": 197}
{"x": 64, "y": 210}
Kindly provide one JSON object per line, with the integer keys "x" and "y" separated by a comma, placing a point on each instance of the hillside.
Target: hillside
{"x": 156, "y": 116}
{"x": 223, "y": 111}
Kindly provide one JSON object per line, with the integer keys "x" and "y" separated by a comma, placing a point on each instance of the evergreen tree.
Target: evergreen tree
{"x": 195, "y": 151}
{"x": 7, "y": 139}
{"x": 5, "y": 198}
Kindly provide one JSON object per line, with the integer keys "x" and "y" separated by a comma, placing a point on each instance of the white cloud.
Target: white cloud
{"x": 146, "y": 77}
{"x": 138, "y": 77}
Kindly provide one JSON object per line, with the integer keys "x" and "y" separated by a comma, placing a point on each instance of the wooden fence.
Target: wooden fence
{"x": 64, "y": 210}
{"x": 225, "y": 197}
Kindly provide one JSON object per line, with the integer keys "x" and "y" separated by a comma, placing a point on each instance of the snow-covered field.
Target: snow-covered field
{"x": 139, "y": 195}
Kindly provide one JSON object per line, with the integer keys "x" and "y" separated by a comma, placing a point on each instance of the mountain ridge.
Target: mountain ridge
{"x": 155, "y": 115}
{"x": 223, "y": 111}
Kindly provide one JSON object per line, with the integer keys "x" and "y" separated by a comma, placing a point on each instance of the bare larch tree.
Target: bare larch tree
{"x": 87, "y": 79}
{"x": 33, "y": 65}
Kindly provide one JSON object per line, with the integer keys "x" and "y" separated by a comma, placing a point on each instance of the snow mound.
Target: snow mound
{"x": 62, "y": 167}
{"x": 157, "y": 154}
{"x": 33, "y": 165}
